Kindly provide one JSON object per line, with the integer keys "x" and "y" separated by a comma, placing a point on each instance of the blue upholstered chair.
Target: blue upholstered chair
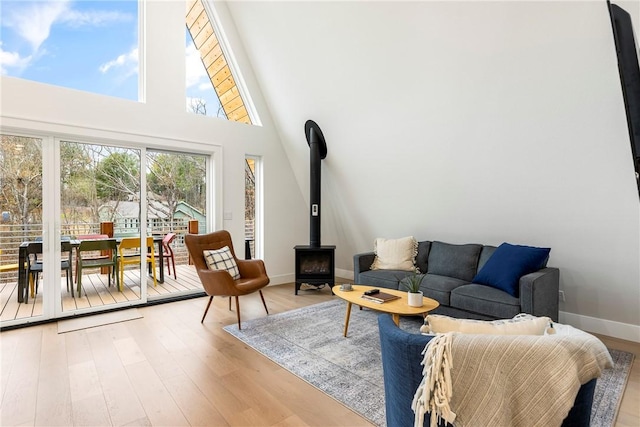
{"x": 402, "y": 370}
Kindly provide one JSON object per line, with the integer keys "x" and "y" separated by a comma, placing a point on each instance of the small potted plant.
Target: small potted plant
{"x": 414, "y": 294}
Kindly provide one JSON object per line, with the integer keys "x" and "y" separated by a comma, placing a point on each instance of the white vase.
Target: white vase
{"x": 414, "y": 299}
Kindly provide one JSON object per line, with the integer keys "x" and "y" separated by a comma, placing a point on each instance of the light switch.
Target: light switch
{"x": 228, "y": 216}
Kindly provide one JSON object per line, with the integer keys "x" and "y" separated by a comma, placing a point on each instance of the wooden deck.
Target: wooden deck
{"x": 96, "y": 292}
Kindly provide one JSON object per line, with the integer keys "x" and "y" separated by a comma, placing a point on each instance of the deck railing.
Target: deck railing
{"x": 12, "y": 235}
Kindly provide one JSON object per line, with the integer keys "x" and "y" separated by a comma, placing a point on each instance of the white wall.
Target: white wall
{"x": 162, "y": 122}
{"x": 463, "y": 122}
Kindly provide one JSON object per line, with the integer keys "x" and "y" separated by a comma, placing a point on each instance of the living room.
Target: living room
{"x": 454, "y": 121}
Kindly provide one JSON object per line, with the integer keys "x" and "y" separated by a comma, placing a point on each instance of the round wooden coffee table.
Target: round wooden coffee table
{"x": 398, "y": 307}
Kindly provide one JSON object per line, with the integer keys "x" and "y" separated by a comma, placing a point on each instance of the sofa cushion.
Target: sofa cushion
{"x": 458, "y": 261}
{"x": 423, "y": 256}
{"x": 395, "y": 254}
{"x": 383, "y": 278}
{"x": 485, "y": 254}
{"x": 508, "y": 263}
{"x": 485, "y": 300}
{"x": 519, "y": 325}
{"x": 439, "y": 287}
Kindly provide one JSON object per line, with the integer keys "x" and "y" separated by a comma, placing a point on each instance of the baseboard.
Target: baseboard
{"x": 610, "y": 328}
{"x": 291, "y": 277}
{"x": 344, "y": 274}
{"x": 281, "y": 279}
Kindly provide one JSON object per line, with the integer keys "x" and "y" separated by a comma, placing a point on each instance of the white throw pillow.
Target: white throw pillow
{"x": 395, "y": 254}
{"x": 519, "y": 325}
{"x": 222, "y": 259}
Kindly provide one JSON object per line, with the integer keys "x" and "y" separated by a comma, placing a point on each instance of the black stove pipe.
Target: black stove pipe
{"x": 314, "y": 229}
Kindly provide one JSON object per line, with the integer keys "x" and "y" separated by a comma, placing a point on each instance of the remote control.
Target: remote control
{"x": 372, "y": 292}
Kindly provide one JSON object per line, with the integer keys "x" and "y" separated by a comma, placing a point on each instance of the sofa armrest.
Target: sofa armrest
{"x": 362, "y": 262}
{"x": 539, "y": 293}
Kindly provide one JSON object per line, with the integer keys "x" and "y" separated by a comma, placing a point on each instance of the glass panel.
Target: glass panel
{"x": 20, "y": 223}
{"x": 176, "y": 205}
{"x": 250, "y": 207}
{"x": 86, "y": 45}
{"x": 201, "y": 98}
{"x": 100, "y": 200}
{"x": 212, "y": 84}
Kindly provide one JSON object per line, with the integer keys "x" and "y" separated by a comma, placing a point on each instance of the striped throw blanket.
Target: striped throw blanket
{"x": 506, "y": 380}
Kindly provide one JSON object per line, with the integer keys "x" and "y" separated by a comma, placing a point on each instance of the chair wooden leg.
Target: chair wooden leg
{"x": 173, "y": 262}
{"x": 79, "y": 280}
{"x": 70, "y": 282}
{"x": 31, "y": 285}
{"x": 229, "y": 303}
{"x": 264, "y": 303}
{"x": 238, "y": 311}
{"x": 206, "y": 309}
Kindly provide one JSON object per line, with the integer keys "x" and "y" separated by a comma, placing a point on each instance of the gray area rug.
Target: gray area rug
{"x": 309, "y": 343}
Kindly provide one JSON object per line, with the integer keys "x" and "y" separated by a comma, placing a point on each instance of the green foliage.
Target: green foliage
{"x": 412, "y": 283}
{"x": 177, "y": 177}
{"x": 21, "y": 178}
{"x": 118, "y": 177}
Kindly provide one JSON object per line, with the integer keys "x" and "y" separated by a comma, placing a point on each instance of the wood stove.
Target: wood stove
{"x": 314, "y": 265}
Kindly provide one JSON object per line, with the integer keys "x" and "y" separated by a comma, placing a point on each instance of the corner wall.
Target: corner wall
{"x": 463, "y": 122}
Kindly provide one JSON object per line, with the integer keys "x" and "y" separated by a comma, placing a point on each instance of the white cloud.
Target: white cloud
{"x": 33, "y": 21}
{"x": 12, "y": 60}
{"x": 93, "y": 18}
{"x": 128, "y": 62}
{"x": 196, "y": 73}
{"x": 204, "y": 86}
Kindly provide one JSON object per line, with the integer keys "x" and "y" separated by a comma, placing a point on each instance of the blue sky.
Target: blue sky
{"x": 88, "y": 45}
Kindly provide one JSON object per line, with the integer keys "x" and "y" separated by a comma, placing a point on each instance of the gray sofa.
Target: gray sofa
{"x": 449, "y": 272}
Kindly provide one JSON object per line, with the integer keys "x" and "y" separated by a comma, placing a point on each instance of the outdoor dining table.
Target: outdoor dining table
{"x": 23, "y": 274}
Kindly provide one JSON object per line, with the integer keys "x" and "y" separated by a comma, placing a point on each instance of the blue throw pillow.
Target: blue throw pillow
{"x": 508, "y": 263}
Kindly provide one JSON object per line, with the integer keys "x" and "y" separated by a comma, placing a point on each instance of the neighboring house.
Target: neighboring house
{"x": 187, "y": 212}
{"x": 125, "y": 215}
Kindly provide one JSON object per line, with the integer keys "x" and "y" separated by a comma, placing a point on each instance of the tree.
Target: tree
{"x": 21, "y": 178}
{"x": 78, "y": 198}
{"x": 177, "y": 177}
{"x": 118, "y": 177}
{"x": 198, "y": 106}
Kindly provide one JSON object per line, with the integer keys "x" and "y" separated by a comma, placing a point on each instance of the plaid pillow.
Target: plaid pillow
{"x": 222, "y": 259}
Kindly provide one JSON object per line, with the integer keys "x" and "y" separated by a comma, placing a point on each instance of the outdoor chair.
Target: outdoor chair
{"x": 217, "y": 280}
{"x": 129, "y": 253}
{"x": 87, "y": 259}
{"x": 35, "y": 265}
{"x": 102, "y": 255}
{"x": 167, "y": 252}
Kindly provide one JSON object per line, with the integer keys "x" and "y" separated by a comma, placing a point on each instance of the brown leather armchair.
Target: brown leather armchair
{"x": 253, "y": 275}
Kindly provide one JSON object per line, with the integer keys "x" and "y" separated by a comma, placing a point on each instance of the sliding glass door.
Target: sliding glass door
{"x": 176, "y": 193}
{"x": 64, "y": 202}
{"x": 21, "y": 227}
{"x": 100, "y": 199}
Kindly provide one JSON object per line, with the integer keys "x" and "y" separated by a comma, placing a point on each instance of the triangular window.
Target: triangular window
{"x": 212, "y": 89}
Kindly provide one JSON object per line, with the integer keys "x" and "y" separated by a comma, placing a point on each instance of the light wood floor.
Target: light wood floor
{"x": 167, "y": 369}
{"x": 96, "y": 292}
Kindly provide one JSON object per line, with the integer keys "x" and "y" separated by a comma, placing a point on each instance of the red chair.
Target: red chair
{"x": 167, "y": 252}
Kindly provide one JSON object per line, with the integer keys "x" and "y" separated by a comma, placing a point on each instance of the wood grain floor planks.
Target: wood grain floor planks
{"x": 169, "y": 369}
